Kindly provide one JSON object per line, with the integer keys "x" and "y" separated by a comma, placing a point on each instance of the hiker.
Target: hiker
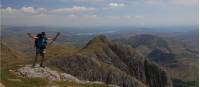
{"x": 41, "y": 45}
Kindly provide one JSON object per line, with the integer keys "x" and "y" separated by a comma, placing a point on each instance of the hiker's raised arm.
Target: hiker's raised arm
{"x": 50, "y": 38}
{"x": 54, "y": 38}
{"x": 31, "y": 36}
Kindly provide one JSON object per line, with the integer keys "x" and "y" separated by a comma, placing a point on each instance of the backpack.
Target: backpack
{"x": 41, "y": 42}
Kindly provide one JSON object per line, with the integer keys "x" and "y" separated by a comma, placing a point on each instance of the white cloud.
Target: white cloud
{"x": 116, "y": 5}
{"x": 28, "y": 10}
{"x": 75, "y": 9}
{"x": 8, "y": 10}
{"x": 23, "y": 10}
{"x": 43, "y": 11}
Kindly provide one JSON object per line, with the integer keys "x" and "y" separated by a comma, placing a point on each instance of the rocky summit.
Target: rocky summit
{"x": 113, "y": 63}
{"x": 51, "y": 75}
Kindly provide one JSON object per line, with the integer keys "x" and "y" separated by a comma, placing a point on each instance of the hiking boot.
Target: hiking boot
{"x": 33, "y": 66}
{"x": 42, "y": 66}
{"x": 44, "y": 51}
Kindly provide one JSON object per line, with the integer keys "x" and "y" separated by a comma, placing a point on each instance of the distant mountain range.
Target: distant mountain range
{"x": 177, "y": 54}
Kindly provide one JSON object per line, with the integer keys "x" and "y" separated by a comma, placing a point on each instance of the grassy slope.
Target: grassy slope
{"x": 10, "y": 57}
{"x": 187, "y": 65}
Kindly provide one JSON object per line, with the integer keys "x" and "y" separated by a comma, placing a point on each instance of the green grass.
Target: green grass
{"x": 55, "y": 51}
{"x": 180, "y": 83}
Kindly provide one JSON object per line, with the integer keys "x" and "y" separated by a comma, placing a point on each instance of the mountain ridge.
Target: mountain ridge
{"x": 114, "y": 63}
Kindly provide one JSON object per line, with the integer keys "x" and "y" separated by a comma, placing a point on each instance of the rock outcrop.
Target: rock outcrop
{"x": 51, "y": 75}
{"x": 113, "y": 63}
{"x": 1, "y": 85}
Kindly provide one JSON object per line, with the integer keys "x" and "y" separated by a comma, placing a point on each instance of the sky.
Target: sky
{"x": 81, "y": 13}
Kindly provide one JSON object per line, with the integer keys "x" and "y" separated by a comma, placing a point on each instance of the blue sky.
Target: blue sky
{"x": 80, "y": 13}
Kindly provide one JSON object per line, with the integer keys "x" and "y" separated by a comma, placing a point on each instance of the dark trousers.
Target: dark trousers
{"x": 39, "y": 52}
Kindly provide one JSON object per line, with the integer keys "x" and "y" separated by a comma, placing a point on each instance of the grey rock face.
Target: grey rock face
{"x": 67, "y": 77}
{"x": 28, "y": 71}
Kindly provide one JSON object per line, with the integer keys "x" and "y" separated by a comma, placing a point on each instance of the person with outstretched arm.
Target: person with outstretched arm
{"x": 41, "y": 44}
